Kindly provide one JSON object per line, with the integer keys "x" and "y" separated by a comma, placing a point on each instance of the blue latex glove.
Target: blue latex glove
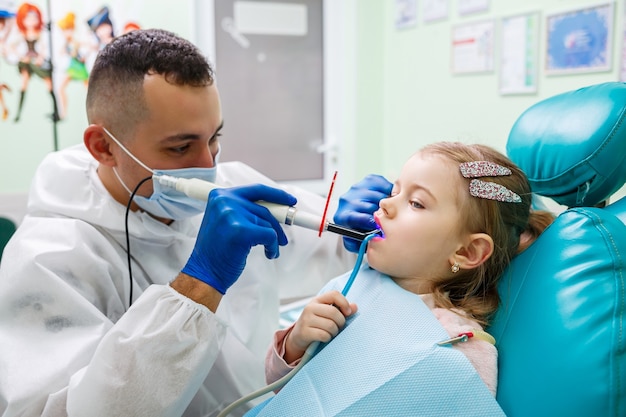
{"x": 231, "y": 226}
{"x": 358, "y": 204}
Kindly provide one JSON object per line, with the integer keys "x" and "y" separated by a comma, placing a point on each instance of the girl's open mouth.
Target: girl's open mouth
{"x": 380, "y": 229}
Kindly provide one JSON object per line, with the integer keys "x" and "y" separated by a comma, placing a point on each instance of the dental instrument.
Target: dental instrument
{"x": 288, "y": 215}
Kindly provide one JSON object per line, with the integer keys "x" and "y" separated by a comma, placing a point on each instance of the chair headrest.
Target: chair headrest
{"x": 572, "y": 146}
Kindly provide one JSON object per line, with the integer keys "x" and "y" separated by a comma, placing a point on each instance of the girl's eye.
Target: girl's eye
{"x": 416, "y": 204}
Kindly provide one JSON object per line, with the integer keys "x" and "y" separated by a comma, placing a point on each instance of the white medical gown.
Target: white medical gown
{"x": 69, "y": 344}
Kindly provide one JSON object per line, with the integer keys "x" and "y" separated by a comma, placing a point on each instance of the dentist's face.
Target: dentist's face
{"x": 421, "y": 221}
{"x": 181, "y": 131}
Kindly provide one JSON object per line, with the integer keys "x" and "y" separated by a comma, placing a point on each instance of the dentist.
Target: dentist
{"x": 118, "y": 298}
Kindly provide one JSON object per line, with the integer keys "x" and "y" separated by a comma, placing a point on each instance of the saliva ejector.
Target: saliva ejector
{"x": 289, "y": 215}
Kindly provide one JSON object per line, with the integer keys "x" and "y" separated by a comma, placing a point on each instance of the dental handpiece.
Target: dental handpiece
{"x": 289, "y": 215}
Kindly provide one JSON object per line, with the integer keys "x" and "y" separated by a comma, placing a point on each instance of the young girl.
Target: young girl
{"x": 455, "y": 218}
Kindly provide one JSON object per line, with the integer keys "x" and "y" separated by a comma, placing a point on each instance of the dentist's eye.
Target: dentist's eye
{"x": 215, "y": 138}
{"x": 180, "y": 149}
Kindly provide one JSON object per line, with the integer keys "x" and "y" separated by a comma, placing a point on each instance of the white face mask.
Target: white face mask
{"x": 167, "y": 202}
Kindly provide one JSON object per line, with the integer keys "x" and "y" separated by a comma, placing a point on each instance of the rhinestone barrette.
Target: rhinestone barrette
{"x": 486, "y": 189}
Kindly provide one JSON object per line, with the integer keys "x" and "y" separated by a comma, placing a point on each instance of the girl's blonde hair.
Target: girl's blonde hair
{"x": 512, "y": 226}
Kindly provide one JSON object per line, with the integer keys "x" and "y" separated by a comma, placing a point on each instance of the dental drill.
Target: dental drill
{"x": 289, "y": 215}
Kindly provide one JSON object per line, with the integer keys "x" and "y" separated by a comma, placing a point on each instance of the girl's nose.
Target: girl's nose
{"x": 386, "y": 205}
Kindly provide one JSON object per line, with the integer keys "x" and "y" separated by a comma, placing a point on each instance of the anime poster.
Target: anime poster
{"x": 55, "y": 44}
{"x": 47, "y": 50}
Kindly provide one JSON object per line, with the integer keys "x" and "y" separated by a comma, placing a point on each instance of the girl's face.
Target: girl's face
{"x": 421, "y": 222}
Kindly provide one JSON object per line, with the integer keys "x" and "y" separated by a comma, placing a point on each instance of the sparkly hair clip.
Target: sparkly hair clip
{"x": 486, "y": 189}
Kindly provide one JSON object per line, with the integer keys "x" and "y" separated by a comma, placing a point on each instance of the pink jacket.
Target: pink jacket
{"x": 481, "y": 354}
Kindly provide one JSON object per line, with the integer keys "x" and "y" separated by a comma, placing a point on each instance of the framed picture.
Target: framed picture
{"x": 622, "y": 69}
{"x": 579, "y": 40}
{"x": 406, "y": 14}
{"x": 472, "y": 6}
{"x": 519, "y": 52}
{"x": 473, "y": 47}
{"x": 434, "y": 10}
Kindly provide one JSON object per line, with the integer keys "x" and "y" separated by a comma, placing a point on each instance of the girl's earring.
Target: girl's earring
{"x": 455, "y": 268}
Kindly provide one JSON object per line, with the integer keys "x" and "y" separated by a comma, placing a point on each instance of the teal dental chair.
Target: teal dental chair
{"x": 561, "y": 329}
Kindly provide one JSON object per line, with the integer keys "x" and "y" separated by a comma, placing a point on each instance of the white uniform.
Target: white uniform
{"x": 69, "y": 344}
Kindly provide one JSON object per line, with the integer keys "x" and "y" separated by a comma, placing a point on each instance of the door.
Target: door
{"x": 269, "y": 69}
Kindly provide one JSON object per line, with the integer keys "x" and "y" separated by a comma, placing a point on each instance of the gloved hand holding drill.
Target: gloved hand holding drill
{"x": 233, "y": 223}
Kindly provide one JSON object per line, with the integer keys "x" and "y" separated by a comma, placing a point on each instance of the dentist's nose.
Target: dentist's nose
{"x": 206, "y": 158}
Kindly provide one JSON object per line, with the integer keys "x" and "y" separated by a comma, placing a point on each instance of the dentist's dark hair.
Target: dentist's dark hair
{"x": 115, "y": 94}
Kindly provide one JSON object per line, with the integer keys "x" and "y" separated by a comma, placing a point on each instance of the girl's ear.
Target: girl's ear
{"x": 473, "y": 254}
{"x": 97, "y": 142}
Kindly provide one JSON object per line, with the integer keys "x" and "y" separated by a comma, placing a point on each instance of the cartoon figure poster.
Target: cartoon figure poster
{"x": 54, "y": 42}
{"x": 47, "y": 50}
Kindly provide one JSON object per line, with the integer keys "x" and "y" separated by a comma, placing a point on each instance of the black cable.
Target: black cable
{"x": 130, "y": 272}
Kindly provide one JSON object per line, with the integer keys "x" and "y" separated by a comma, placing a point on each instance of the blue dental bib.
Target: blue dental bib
{"x": 385, "y": 362}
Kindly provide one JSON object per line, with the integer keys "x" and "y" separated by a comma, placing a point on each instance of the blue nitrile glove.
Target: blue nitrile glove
{"x": 358, "y": 204}
{"x": 231, "y": 226}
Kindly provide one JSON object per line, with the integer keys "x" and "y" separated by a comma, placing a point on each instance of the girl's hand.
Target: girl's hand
{"x": 320, "y": 321}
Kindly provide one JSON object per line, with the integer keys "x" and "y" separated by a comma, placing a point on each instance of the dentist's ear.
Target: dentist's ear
{"x": 475, "y": 252}
{"x": 98, "y": 143}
